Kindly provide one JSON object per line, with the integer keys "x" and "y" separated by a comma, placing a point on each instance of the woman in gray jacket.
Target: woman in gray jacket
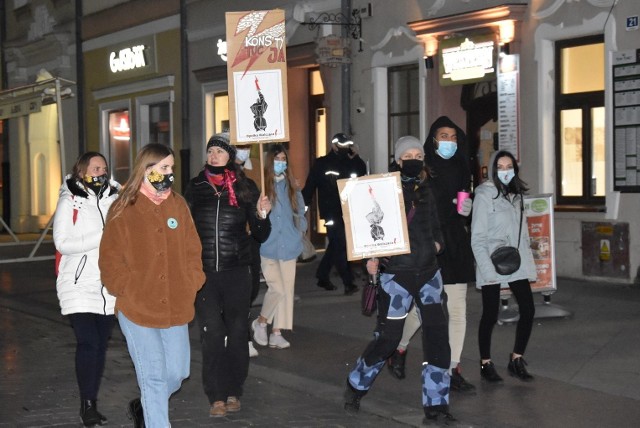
{"x": 497, "y": 213}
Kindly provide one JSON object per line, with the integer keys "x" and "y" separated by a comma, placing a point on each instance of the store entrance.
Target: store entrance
{"x": 480, "y": 101}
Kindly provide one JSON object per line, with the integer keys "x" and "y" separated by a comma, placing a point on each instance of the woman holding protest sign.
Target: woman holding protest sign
{"x": 408, "y": 278}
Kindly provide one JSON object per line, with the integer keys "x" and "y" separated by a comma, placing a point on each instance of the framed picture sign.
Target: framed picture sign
{"x": 374, "y": 216}
{"x": 257, "y": 76}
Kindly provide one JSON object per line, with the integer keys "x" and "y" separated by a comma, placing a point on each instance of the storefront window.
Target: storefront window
{"x": 160, "y": 123}
{"x": 403, "y": 103}
{"x": 119, "y": 145}
{"x": 153, "y": 119}
{"x": 580, "y": 121}
{"x": 221, "y": 112}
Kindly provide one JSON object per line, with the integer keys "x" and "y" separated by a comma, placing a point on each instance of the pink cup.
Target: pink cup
{"x": 462, "y": 196}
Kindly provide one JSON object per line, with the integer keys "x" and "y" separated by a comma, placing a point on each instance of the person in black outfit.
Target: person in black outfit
{"x": 340, "y": 162}
{"x": 405, "y": 280}
{"x": 446, "y": 157}
{"x": 223, "y": 202}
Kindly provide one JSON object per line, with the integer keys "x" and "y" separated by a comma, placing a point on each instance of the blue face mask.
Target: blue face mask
{"x": 446, "y": 149}
{"x": 505, "y": 176}
{"x": 279, "y": 167}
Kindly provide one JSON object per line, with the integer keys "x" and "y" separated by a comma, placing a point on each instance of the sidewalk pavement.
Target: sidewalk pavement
{"x": 586, "y": 365}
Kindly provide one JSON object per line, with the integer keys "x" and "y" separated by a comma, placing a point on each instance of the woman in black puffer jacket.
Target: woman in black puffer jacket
{"x": 223, "y": 202}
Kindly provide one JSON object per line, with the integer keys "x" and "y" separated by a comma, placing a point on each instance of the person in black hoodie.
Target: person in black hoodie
{"x": 447, "y": 160}
{"x": 223, "y": 203}
{"x": 407, "y": 279}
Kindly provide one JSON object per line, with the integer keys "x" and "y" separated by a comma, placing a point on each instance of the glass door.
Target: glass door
{"x": 119, "y": 145}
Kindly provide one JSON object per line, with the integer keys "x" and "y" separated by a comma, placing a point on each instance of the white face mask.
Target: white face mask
{"x": 505, "y": 176}
{"x": 243, "y": 154}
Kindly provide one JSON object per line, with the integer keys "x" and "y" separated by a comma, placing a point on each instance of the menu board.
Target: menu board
{"x": 626, "y": 121}
{"x": 508, "y": 113}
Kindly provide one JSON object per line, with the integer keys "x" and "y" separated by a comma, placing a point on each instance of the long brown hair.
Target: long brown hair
{"x": 269, "y": 177}
{"x": 149, "y": 156}
{"x": 79, "y": 169}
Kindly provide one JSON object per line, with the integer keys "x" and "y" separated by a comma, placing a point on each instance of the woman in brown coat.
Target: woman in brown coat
{"x": 150, "y": 260}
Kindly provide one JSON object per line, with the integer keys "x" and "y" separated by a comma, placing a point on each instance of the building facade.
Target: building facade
{"x": 555, "y": 81}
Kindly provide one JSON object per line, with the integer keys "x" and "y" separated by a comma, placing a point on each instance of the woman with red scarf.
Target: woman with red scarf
{"x": 223, "y": 202}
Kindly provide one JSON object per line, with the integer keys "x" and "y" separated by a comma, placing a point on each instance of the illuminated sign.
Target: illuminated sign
{"x": 127, "y": 59}
{"x": 467, "y": 60}
{"x": 222, "y": 49}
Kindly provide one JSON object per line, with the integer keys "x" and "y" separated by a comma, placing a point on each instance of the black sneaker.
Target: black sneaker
{"x": 439, "y": 418}
{"x": 135, "y": 413}
{"x": 460, "y": 384}
{"x": 488, "y": 372}
{"x": 517, "y": 369}
{"x": 326, "y": 284}
{"x": 396, "y": 363}
{"x": 352, "y": 398}
{"x": 349, "y": 289}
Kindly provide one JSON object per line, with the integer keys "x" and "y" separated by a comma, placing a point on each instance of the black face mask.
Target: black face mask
{"x": 159, "y": 181}
{"x": 344, "y": 153}
{"x": 412, "y": 167}
{"x": 215, "y": 169}
{"x": 95, "y": 183}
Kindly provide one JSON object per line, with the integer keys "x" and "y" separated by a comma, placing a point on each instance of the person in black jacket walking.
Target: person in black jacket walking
{"x": 407, "y": 279}
{"x": 447, "y": 159}
{"x": 223, "y": 201}
{"x": 340, "y": 162}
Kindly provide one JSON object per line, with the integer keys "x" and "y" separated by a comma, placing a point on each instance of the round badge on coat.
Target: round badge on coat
{"x": 172, "y": 223}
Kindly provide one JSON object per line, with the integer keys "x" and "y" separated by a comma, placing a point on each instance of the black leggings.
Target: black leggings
{"x": 92, "y": 334}
{"x": 490, "y": 307}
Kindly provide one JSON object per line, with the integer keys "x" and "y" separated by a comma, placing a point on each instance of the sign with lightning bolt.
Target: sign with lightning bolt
{"x": 257, "y": 76}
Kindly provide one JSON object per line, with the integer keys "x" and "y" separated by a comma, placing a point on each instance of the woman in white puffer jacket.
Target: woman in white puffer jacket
{"x": 85, "y": 197}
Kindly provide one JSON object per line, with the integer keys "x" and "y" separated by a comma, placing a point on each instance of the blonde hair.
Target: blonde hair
{"x": 149, "y": 156}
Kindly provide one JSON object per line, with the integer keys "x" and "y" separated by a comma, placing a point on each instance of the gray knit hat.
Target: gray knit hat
{"x": 406, "y": 143}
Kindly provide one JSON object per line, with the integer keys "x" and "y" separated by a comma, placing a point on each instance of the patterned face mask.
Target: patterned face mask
{"x": 159, "y": 181}
{"x": 95, "y": 183}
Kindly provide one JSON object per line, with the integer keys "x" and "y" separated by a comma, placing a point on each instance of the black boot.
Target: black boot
{"x": 135, "y": 413}
{"x": 439, "y": 416}
{"x": 396, "y": 363}
{"x": 352, "y": 398}
{"x": 460, "y": 384}
{"x": 517, "y": 369}
{"x": 89, "y": 413}
{"x": 488, "y": 372}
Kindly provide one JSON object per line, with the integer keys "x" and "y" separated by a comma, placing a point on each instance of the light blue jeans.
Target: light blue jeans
{"x": 161, "y": 357}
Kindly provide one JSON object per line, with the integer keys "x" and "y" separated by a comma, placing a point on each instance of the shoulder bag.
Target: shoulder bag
{"x": 506, "y": 260}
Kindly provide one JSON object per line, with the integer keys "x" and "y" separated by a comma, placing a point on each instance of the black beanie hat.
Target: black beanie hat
{"x": 222, "y": 140}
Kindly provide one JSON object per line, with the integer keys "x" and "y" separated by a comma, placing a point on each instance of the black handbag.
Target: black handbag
{"x": 369, "y": 300}
{"x": 506, "y": 260}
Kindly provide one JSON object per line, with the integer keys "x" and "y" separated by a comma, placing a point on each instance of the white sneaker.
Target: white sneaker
{"x": 278, "y": 342}
{"x": 259, "y": 332}
{"x": 253, "y": 352}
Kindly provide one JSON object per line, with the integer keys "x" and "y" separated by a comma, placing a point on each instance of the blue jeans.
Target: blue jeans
{"x": 161, "y": 357}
